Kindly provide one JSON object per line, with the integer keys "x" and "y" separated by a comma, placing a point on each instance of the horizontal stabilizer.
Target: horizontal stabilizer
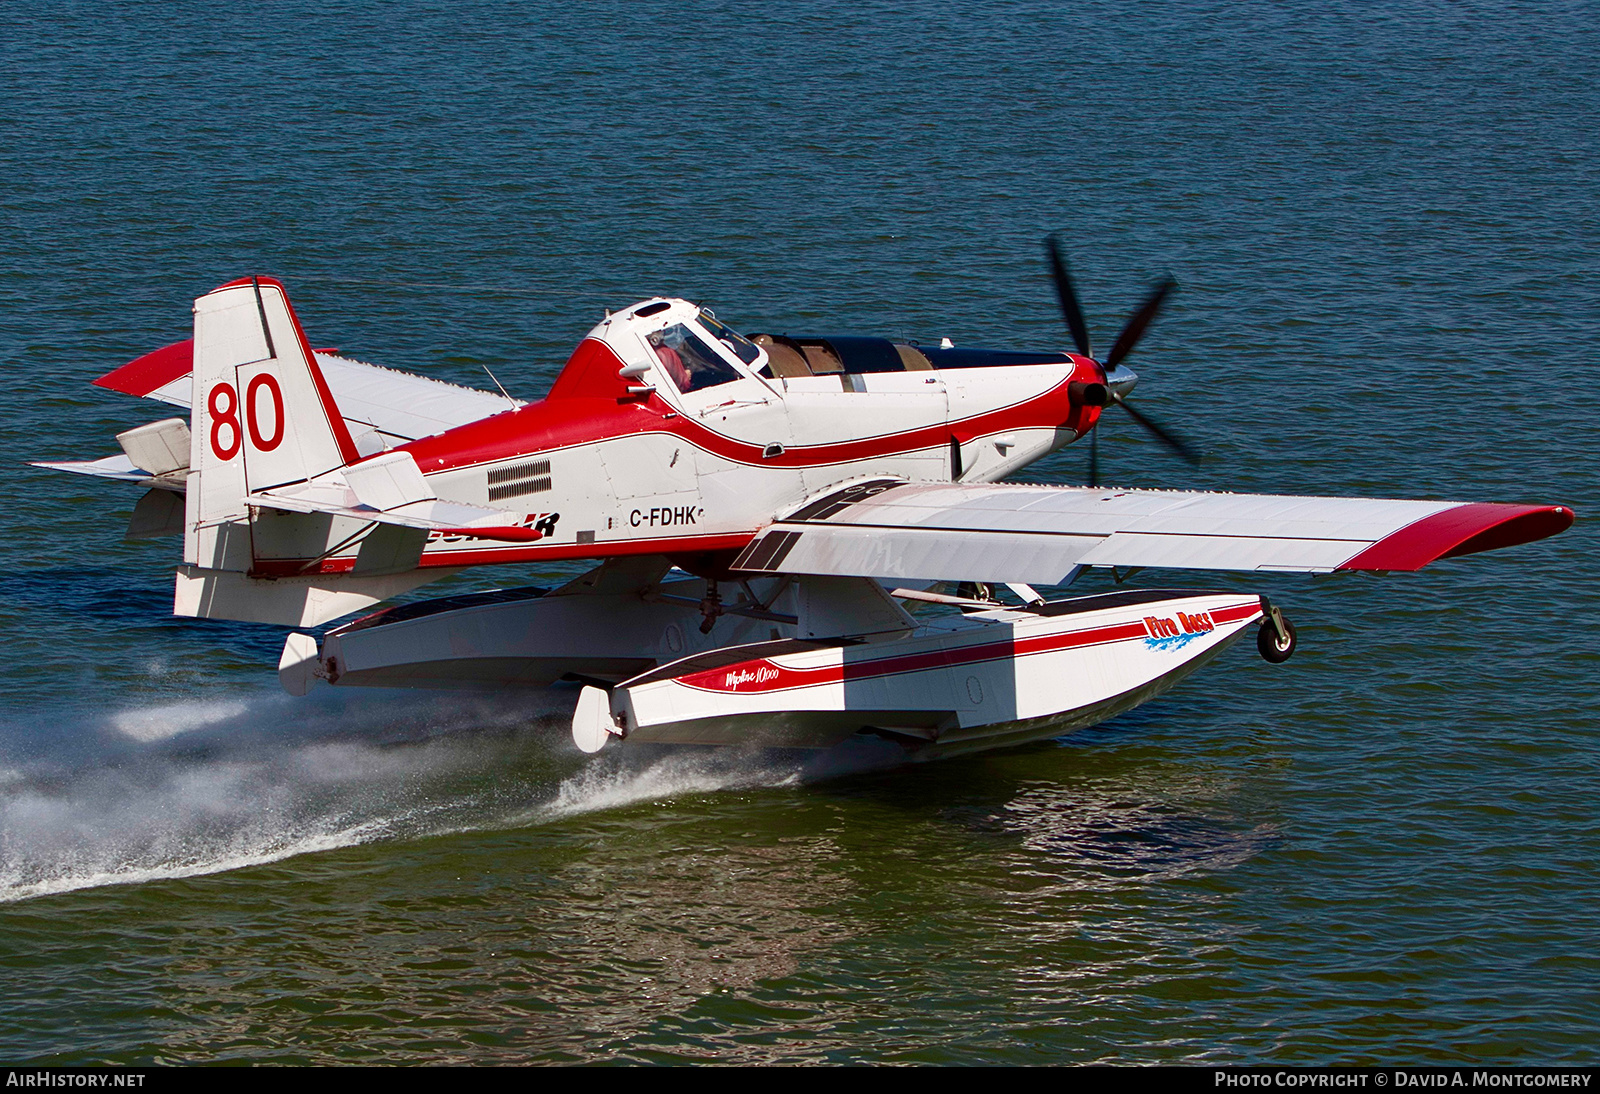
{"x": 1038, "y": 534}
{"x": 153, "y": 455}
{"x": 391, "y": 406}
{"x": 112, "y": 467}
{"x": 161, "y": 448}
{"x": 389, "y": 489}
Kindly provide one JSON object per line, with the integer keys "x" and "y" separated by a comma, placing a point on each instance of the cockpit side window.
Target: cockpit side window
{"x": 744, "y": 349}
{"x": 688, "y": 361}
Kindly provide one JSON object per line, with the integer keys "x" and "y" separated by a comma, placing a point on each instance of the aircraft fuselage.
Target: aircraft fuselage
{"x": 627, "y": 455}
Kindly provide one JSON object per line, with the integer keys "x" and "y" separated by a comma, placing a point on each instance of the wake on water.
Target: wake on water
{"x": 197, "y": 786}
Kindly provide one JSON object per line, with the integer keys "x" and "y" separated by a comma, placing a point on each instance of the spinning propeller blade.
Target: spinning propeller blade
{"x": 1173, "y": 442}
{"x": 1132, "y": 331}
{"x": 1069, "y": 299}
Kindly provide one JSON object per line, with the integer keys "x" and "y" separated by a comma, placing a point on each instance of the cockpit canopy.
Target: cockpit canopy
{"x": 819, "y": 355}
{"x": 691, "y": 363}
{"x": 696, "y": 350}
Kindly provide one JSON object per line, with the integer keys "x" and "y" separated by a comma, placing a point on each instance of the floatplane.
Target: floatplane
{"x": 796, "y": 538}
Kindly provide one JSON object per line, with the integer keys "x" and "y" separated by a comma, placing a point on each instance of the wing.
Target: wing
{"x": 1038, "y": 534}
{"x": 397, "y": 406}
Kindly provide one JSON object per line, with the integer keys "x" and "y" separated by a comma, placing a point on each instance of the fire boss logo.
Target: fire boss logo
{"x": 739, "y": 677}
{"x": 543, "y": 523}
{"x": 1165, "y": 634}
{"x": 1166, "y": 628}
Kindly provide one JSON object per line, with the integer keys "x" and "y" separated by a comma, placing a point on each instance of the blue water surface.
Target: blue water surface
{"x": 1384, "y": 223}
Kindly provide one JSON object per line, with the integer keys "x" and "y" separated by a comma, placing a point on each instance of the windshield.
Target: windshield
{"x": 744, "y": 349}
{"x": 689, "y": 362}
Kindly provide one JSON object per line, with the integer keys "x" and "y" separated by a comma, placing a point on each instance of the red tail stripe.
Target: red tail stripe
{"x": 160, "y": 367}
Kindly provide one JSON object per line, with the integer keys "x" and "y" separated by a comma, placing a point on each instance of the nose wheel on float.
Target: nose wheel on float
{"x": 1275, "y": 638}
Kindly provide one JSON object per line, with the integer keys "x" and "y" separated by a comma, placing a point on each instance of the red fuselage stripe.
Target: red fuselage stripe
{"x": 553, "y": 424}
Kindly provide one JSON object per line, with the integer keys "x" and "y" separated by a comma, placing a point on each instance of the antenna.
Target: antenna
{"x": 497, "y": 384}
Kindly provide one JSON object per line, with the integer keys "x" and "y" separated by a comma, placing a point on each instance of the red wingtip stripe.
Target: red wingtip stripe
{"x": 155, "y": 369}
{"x": 1462, "y": 530}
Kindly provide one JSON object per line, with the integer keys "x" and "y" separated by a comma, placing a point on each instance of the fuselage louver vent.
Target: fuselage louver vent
{"x": 520, "y": 478}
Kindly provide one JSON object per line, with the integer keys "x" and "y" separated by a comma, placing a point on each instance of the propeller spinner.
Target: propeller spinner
{"x": 1116, "y": 387}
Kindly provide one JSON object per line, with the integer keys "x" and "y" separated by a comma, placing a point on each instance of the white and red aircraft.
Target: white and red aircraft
{"x": 762, "y": 509}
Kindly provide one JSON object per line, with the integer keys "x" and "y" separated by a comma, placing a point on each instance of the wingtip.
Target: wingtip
{"x": 153, "y": 370}
{"x": 1463, "y": 530}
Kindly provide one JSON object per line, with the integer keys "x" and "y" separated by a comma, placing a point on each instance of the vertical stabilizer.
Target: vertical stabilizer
{"x": 262, "y": 416}
{"x": 259, "y": 395}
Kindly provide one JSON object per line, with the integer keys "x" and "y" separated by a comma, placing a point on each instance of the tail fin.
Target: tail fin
{"x": 262, "y": 417}
{"x": 262, "y": 413}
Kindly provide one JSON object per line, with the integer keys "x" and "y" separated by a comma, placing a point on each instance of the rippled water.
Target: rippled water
{"x": 1384, "y": 222}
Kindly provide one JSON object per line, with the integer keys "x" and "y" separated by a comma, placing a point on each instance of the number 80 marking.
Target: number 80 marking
{"x": 223, "y": 403}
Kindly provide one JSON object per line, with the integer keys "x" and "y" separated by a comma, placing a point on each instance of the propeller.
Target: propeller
{"x": 1132, "y": 331}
